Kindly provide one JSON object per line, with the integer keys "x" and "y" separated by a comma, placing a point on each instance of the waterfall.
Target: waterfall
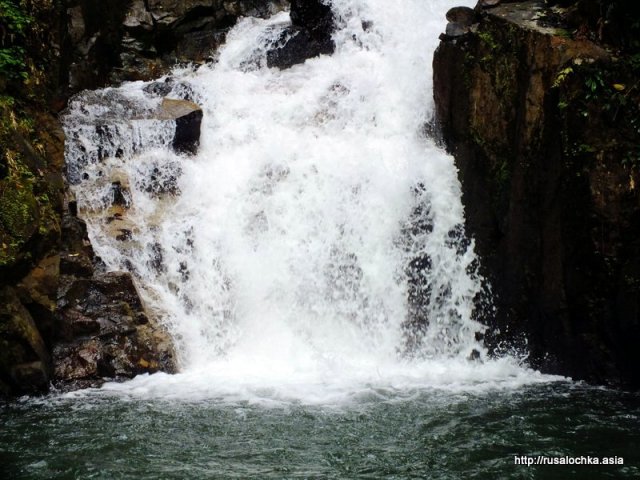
{"x": 317, "y": 237}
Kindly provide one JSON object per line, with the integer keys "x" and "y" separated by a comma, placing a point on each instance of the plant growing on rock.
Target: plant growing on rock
{"x": 14, "y": 21}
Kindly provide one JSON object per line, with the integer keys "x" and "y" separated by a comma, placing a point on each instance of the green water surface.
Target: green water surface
{"x": 378, "y": 434}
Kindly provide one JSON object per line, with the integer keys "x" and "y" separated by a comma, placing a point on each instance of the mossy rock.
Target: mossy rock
{"x": 19, "y": 217}
{"x": 30, "y": 194}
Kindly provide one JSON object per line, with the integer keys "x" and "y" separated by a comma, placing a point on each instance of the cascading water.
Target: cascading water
{"x": 315, "y": 243}
{"x": 311, "y": 266}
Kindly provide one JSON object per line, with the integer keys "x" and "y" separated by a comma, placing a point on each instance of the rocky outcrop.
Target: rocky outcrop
{"x": 102, "y": 330}
{"x": 543, "y": 124}
{"x": 25, "y": 364}
{"x": 116, "y": 122}
{"x": 308, "y": 36}
{"x": 31, "y": 197}
{"x": 70, "y": 324}
{"x": 62, "y": 319}
{"x": 42, "y": 258}
{"x": 188, "y": 118}
{"x": 108, "y": 42}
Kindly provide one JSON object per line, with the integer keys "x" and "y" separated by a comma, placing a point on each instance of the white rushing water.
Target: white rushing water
{"x": 281, "y": 259}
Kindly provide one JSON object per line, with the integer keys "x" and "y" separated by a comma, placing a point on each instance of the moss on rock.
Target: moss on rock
{"x": 19, "y": 215}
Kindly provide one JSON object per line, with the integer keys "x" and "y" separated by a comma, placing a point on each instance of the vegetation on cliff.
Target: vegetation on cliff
{"x": 36, "y": 263}
{"x": 30, "y": 169}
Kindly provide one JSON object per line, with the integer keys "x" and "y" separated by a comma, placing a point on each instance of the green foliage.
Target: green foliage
{"x": 25, "y": 207}
{"x": 599, "y": 103}
{"x": 14, "y": 22}
{"x": 18, "y": 214}
{"x": 562, "y": 76}
{"x": 12, "y": 63}
{"x": 499, "y": 56}
{"x": 14, "y": 17}
{"x": 27, "y": 215}
{"x": 594, "y": 84}
{"x": 488, "y": 39}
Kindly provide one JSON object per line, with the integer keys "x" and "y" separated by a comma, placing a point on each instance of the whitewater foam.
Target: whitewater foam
{"x": 315, "y": 206}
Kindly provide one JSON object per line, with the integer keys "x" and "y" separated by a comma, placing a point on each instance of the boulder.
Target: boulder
{"x": 308, "y": 36}
{"x": 463, "y": 15}
{"x": 455, "y": 30}
{"x": 104, "y": 331}
{"x": 188, "y": 118}
{"x": 25, "y": 362}
{"x": 115, "y": 128}
{"x": 461, "y": 21}
{"x": 295, "y": 47}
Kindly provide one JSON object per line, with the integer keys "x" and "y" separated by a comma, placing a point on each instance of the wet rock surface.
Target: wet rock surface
{"x": 117, "y": 125}
{"x": 550, "y": 187}
{"x": 45, "y": 255}
{"x": 308, "y": 36}
{"x": 25, "y": 363}
{"x": 108, "y": 42}
{"x": 102, "y": 328}
{"x": 105, "y": 332}
{"x": 188, "y": 118}
{"x": 69, "y": 323}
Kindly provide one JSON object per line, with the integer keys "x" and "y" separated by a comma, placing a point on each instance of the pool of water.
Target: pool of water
{"x": 374, "y": 433}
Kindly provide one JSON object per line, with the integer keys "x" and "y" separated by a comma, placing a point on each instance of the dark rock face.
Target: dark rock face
{"x": 104, "y": 332}
{"x": 91, "y": 46}
{"x": 187, "y": 136}
{"x": 296, "y": 46}
{"x": 25, "y": 364}
{"x": 311, "y": 14}
{"x": 312, "y": 24}
{"x": 188, "y": 118}
{"x": 102, "y": 329}
{"x": 116, "y": 40}
{"x": 614, "y": 22}
{"x": 549, "y": 185}
{"x": 46, "y": 260}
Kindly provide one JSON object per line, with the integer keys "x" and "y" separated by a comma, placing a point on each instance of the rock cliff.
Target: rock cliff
{"x": 115, "y": 40}
{"x": 541, "y": 111}
{"x": 63, "y": 320}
